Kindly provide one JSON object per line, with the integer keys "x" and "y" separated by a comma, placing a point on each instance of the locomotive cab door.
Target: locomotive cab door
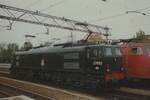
{"x": 118, "y": 58}
{"x": 94, "y": 60}
{"x": 108, "y": 59}
{"x": 112, "y": 59}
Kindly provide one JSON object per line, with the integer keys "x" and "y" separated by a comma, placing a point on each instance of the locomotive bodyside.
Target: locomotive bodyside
{"x": 136, "y": 59}
{"x": 90, "y": 65}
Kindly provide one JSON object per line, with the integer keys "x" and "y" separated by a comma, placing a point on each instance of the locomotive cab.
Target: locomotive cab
{"x": 113, "y": 64}
{"x": 94, "y": 59}
{"x": 105, "y": 61}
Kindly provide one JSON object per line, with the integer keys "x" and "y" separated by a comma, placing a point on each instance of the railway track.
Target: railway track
{"x": 123, "y": 93}
{"x": 4, "y": 94}
{"x": 120, "y": 94}
{"x": 9, "y": 91}
{"x": 40, "y": 92}
{"x": 135, "y": 91}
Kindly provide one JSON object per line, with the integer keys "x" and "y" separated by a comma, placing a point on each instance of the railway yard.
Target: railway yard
{"x": 72, "y": 55}
{"x": 13, "y": 88}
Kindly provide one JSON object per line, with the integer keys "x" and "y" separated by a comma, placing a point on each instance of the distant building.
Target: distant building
{"x": 146, "y": 39}
{"x": 143, "y": 39}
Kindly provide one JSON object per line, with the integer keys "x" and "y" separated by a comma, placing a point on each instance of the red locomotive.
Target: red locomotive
{"x": 136, "y": 60}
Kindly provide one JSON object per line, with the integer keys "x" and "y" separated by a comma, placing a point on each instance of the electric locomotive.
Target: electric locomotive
{"x": 136, "y": 60}
{"x": 90, "y": 65}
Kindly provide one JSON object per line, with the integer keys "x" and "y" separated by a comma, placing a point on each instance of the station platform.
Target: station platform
{"x": 21, "y": 97}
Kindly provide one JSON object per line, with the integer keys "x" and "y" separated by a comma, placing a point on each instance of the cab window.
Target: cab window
{"x": 148, "y": 50}
{"x": 95, "y": 52}
{"x": 17, "y": 57}
{"x": 136, "y": 51}
{"x": 88, "y": 53}
{"x": 118, "y": 52}
{"x": 108, "y": 51}
{"x": 99, "y": 52}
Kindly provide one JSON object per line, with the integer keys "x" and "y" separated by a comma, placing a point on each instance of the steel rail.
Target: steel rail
{"x": 28, "y": 92}
{"x": 4, "y": 93}
{"x": 134, "y": 91}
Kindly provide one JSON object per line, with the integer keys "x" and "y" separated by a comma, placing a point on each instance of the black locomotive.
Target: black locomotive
{"x": 91, "y": 65}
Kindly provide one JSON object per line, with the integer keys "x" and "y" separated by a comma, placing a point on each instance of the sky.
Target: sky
{"x": 111, "y": 13}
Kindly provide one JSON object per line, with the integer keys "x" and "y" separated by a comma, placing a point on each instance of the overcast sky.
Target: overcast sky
{"x": 110, "y": 13}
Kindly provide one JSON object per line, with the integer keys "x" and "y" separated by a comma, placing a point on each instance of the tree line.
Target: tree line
{"x": 7, "y": 51}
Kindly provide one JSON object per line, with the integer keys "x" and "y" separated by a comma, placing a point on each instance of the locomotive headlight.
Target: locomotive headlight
{"x": 108, "y": 70}
{"x": 97, "y": 62}
{"x": 97, "y": 68}
{"x": 100, "y": 63}
{"x": 122, "y": 69}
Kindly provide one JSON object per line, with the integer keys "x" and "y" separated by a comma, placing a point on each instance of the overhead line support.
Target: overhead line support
{"x": 55, "y": 21}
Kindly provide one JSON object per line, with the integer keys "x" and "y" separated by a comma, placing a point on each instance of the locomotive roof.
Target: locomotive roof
{"x": 133, "y": 44}
{"x": 52, "y": 49}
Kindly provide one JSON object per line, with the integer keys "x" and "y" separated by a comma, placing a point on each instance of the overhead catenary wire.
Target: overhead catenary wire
{"x": 37, "y": 1}
{"x": 119, "y": 14}
{"x": 143, "y": 9}
{"x": 58, "y": 3}
{"x": 28, "y": 6}
{"x": 53, "y": 5}
{"x": 32, "y": 3}
{"x": 110, "y": 17}
{"x": 77, "y": 25}
{"x": 50, "y": 6}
